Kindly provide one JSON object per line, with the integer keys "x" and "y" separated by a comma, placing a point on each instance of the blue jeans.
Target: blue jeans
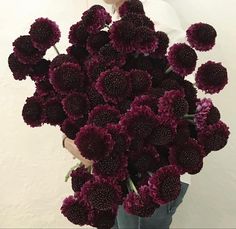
{"x": 161, "y": 219}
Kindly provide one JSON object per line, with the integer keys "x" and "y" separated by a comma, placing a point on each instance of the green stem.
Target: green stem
{"x": 68, "y": 174}
{"x": 54, "y": 46}
{"x": 150, "y": 173}
{"x": 132, "y": 186}
{"x": 168, "y": 70}
{"x": 189, "y": 116}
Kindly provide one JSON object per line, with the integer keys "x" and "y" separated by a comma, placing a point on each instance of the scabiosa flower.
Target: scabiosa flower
{"x": 211, "y": 77}
{"x": 141, "y": 82}
{"x": 19, "y": 70}
{"x": 182, "y": 59}
{"x": 94, "y": 142}
{"x": 43, "y": 87}
{"x": 111, "y": 57}
{"x": 173, "y": 104}
{"x": 67, "y": 77}
{"x": 146, "y": 100}
{"x": 72, "y": 127}
{"x": 133, "y": 6}
{"x": 44, "y": 33}
{"x": 165, "y": 184}
{"x": 76, "y": 105}
{"x": 61, "y": 59}
{"x": 96, "y": 41}
{"x": 206, "y": 114}
{"x": 163, "y": 43}
{"x": 188, "y": 157}
{"x": 170, "y": 84}
{"x": 183, "y": 132}
{"x": 113, "y": 166}
{"x": 101, "y": 115}
{"x": 122, "y": 40}
{"x": 54, "y": 113}
{"x": 75, "y": 210}
{"x": 120, "y": 138}
{"x": 146, "y": 41}
{"x": 101, "y": 194}
{"x": 103, "y": 219}
{"x": 140, "y": 203}
{"x": 79, "y": 53}
{"x": 94, "y": 97}
{"x": 40, "y": 70}
{"x": 214, "y": 137}
{"x": 113, "y": 85}
{"x": 201, "y": 36}
{"x": 79, "y": 177}
{"x": 32, "y": 111}
{"x": 163, "y": 133}
{"x": 96, "y": 18}
{"x": 78, "y": 34}
{"x": 139, "y": 20}
{"x": 139, "y": 121}
{"x": 25, "y": 52}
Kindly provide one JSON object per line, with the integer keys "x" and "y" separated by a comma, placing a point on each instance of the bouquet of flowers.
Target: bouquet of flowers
{"x": 122, "y": 94}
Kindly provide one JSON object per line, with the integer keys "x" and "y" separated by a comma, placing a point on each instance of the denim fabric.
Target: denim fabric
{"x": 161, "y": 219}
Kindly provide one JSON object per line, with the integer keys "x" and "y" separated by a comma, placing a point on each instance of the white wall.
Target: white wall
{"x": 32, "y": 161}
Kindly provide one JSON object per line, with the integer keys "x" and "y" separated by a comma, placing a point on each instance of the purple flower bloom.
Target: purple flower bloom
{"x": 25, "y": 52}
{"x": 201, "y": 36}
{"x": 43, "y": 87}
{"x": 44, "y": 33}
{"x": 211, "y": 77}
{"x": 79, "y": 53}
{"x": 39, "y": 71}
{"x": 133, "y": 6}
{"x": 96, "y": 18}
{"x": 94, "y": 142}
{"x": 163, "y": 43}
{"x": 165, "y": 184}
{"x": 78, "y": 34}
{"x": 94, "y": 97}
{"x": 182, "y": 59}
{"x": 61, "y": 59}
{"x": 188, "y": 157}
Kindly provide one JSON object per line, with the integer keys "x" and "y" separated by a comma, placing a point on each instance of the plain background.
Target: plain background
{"x": 32, "y": 161}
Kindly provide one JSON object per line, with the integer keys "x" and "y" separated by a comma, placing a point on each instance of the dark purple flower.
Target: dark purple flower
{"x": 43, "y": 87}
{"x": 44, "y": 33}
{"x": 94, "y": 142}
{"x": 206, "y": 114}
{"x": 95, "y": 18}
{"x": 140, "y": 203}
{"x": 182, "y": 59}
{"x": 54, "y": 113}
{"x": 76, "y": 105}
{"x": 122, "y": 40}
{"x": 165, "y": 184}
{"x": 113, "y": 85}
{"x": 139, "y": 20}
{"x": 39, "y": 71}
{"x": 173, "y": 104}
{"x": 163, "y": 43}
{"x": 188, "y": 157}
{"x": 79, "y": 177}
{"x": 19, "y": 70}
{"x": 102, "y": 194}
{"x": 145, "y": 40}
{"x": 78, "y": 34}
{"x": 163, "y": 133}
{"x": 67, "y": 78}
{"x": 25, "y": 52}
{"x": 139, "y": 121}
{"x": 75, "y": 210}
{"x": 141, "y": 82}
{"x": 96, "y": 41}
{"x": 201, "y": 36}
{"x": 94, "y": 97}
{"x": 101, "y": 115}
{"x": 32, "y": 111}
{"x": 214, "y": 137}
{"x": 211, "y": 77}
{"x": 133, "y": 6}
{"x": 182, "y": 132}
{"x": 61, "y": 59}
{"x": 72, "y": 127}
{"x": 79, "y": 53}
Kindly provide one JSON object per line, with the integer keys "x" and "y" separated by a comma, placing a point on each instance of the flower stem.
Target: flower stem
{"x": 132, "y": 186}
{"x": 74, "y": 167}
{"x": 150, "y": 173}
{"x": 168, "y": 70}
{"x": 107, "y": 26}
{"x": 54, "y": 46}
{"x": 189, "y": 116}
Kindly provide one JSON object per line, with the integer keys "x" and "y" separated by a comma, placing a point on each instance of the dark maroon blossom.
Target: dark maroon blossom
{"x": 163, "y": 43}
{"x": 133, "y": 6}
{"x": 93, "y": 142}
{"x": 61, "y": 59}
{"x": 44, "y": 33}
{"x": 201, "y": 36}
{"x": 39, "y": 71}
{"x": 211, "y": 77}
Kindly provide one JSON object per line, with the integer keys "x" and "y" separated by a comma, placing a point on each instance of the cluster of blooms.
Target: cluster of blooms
{"x": 121, "y": 93}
